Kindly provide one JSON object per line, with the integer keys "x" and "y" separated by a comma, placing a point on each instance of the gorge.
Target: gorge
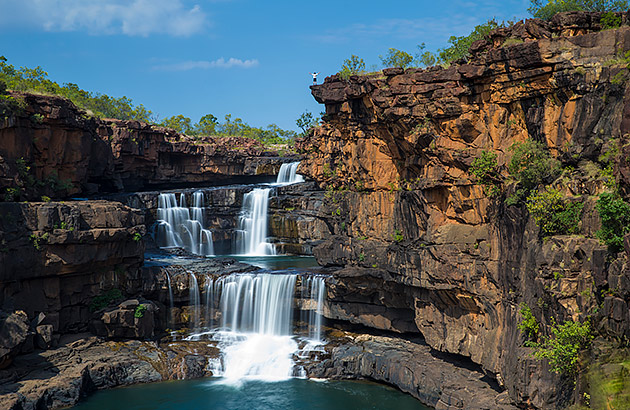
{"x": 138, "y": 254}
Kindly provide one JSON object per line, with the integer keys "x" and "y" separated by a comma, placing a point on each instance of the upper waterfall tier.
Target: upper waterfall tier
{"x": 288, "y": 174}
{"x": 176, "y": 227}
{"x": 251, "y": 236}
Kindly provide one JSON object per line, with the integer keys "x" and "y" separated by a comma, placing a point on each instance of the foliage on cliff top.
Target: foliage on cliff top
{"x": 546, "y": 9}
{"x": 230, "y": 127}
{"x": 35, "y": 80}
{"x": 352, "y": 66}
{"x": 8, "y": 104}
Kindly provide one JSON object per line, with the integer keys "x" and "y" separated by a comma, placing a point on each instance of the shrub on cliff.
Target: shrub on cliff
{"x": 352, "y": 66}
{"x": 562, "y": 349}
{"x": 546, "y": 9}
{"x": 396, "y": 58}
{"x": 614, "y": 213}
{"x": 530, "y": 165}
{"x": 460, "y": 46}
{"x": 486, "y": 171}
{"x": 553, "y": 213}
{"x": 529, "y": 325}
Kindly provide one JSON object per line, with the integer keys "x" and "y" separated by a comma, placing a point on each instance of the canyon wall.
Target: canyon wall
{"x": 49, "y": 147}
{"x": 420, "y": 247}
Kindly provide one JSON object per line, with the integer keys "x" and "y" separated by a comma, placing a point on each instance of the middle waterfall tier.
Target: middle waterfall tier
{"x": 180, "y": 226}
{"x": 251, "y": 236}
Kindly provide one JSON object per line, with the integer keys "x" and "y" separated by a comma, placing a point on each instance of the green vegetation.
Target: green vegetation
{"x": 615, "y": 216}
{"x": 396, "y": 58}
{"x": 35, "y": 80}
{"x": 8, "y": 104}
{"x": 609, "y": 381}
{"x": 38, "y": 240}
{"x": 486, "y": 171}
{"x": 610, "y": 20}
{"x": 530, "y": 165}
{"x": 361, "y": 257}
{"x": 398, "y": 236}
{"x": 139, "y": 312}
{"x": 306, "y": 122}
{"x": 529, "y": 325}
{"x": 553, "y": 213}
{"x": 563, "y": 348}
{"x": 137, "y": 237}
{"x": 460, "y": 46}
{"x": 546, "y": 9}
{"x": 105, "y": 299}
{"x": 352, "y": 66}
{"x": 209, "y": 125}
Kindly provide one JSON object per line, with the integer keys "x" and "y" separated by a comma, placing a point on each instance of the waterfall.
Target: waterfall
{"x": 193, "y": 293}
{"x": 170, "y": 298}
{"x": 176, "y": 227}
{"x": 315, "y": 289}
{"x": 251, "y": 237}
{"x": 258, "y": 303}
{"x": 209, "y": 314}
{"x": 288, "y": 174}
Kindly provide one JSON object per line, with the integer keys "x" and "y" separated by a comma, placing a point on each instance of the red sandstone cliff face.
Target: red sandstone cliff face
{"x": 423, "y": 249}
{"x": 52, "y": 148}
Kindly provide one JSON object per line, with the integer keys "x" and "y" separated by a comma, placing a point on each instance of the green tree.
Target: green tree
{"x": 396, "y": 58}
{"x": 352, "y": 66}
{"x": 531, "y": 165}
{"x": 207, "y": 125}
{"x": 546, "y": 9}
{"x": 553, "y": 213}
{"x": 179, "y": 123}
{"x": 425, "y": 58}
{"x": 460, "y": 46}
{"x": 614, "y": 213}
{"x": 563, "y": 348}
{"x": 486, "y": 171}
{"x": 306, "y": 122}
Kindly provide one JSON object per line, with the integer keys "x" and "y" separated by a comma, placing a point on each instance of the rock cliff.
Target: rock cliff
{"x": 50, "y": 147}
{"x": 421, "y": 247}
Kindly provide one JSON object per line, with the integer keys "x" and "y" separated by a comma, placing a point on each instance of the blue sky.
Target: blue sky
{"x": 244, "y": 57}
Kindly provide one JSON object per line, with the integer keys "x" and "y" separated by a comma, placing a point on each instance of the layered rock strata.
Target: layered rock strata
{"x": 422, "y": 247}
{"x": 50, "y": 147}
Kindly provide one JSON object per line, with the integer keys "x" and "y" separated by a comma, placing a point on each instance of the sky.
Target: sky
{"x": 248, "y": 58}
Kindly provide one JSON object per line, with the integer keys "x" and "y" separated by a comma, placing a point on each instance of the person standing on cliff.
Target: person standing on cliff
{"x": 314, "y": 77}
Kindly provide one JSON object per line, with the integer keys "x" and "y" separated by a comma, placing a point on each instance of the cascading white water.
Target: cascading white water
{"x": 193, "y": 294}
{"x": 176, "y": 228}
{"x": 209, "y": 314}
{"x": 315, "y": 288}
{"x": 288, "y": 174}
{"x": 256, "y": 334}
{"x": 251, "y": 238}
{"x": 258, "y": 303}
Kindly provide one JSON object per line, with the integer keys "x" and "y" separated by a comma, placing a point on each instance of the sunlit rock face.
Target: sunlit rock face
{"x": 421, "y": 246}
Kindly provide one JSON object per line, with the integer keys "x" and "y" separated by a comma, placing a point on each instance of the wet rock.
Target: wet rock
{"x": 413, "y": 367}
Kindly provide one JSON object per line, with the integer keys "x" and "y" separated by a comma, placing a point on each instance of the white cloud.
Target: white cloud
{"x": 129, "y": 17}
{"x": 219, "y": 63}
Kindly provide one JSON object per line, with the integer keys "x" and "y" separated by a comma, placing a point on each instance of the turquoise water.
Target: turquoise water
{"x": 287, "y": 395}
{"x": 279, "y": 262}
